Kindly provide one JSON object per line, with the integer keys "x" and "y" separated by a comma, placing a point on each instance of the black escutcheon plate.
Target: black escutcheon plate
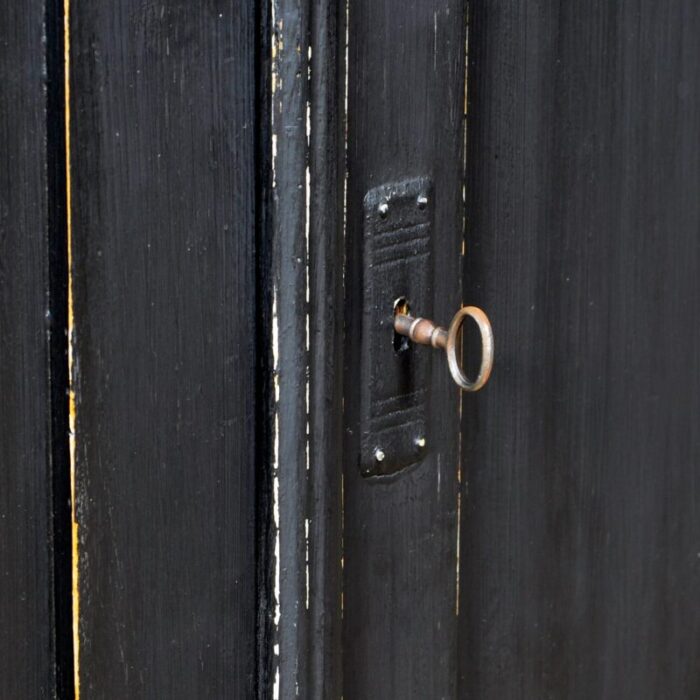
{"x": 395, "y": 373}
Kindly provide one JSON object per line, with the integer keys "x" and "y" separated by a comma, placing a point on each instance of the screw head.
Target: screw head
{"x": 379, "y": 455}
{"x": 422, "y": 201}
{"x": 383, "y": 209}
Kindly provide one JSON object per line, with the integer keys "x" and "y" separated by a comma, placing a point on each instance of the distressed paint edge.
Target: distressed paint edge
{"x": 57, "y": 347}
{"x": 290, "y": 265}
{"x": 75, "y": 554}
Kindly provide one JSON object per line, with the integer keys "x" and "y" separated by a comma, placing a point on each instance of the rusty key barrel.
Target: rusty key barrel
{"x": 423, "y": 331}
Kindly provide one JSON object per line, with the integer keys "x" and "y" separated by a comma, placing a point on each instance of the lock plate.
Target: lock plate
{"x": 397, "y": 260}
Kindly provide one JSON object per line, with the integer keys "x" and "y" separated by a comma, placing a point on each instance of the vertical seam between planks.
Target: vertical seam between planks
{"x": 463, "y": 251}
{"x": 275, "y": 360}
{"x": 57, "y": 365}
{"x": 71, "y": 327}
{"x": 264, "y": 351}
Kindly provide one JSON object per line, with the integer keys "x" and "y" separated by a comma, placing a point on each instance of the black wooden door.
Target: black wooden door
{"x": 223, "y": 475}
{"x": 575, "y": 564}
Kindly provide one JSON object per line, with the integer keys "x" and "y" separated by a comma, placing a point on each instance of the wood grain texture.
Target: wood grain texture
{"x": 326, "y": 257}
{"x": 26, "y": 669}
{"x": 405, "y": 119}
{"x": 581, "y": 535}
{"x": 32, "y": 348}
{"x": 164, "y": 226}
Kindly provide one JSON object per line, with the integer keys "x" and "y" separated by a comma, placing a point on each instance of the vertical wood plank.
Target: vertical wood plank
{"x": 580, "y": 559}
{"x": 164, "y": 225}
{"x": 33, "y": 536}
{"x": 326, "y": 257}
{"x": 405, "y": 119}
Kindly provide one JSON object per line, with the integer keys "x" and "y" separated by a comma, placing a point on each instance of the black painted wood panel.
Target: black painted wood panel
{"x": 580, "y": 537}
{"x": 308, "y": 250}
{"x": 35, "y": 659}
{"x": 290, "y": 263}
{"x": 406, "y": 79}
{"x": 164, "y": 138}
{"x": 326, "y": 258}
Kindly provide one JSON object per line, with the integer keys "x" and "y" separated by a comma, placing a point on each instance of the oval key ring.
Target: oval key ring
{"x": 425, "y": 332}
{"x": 453, "y": 346}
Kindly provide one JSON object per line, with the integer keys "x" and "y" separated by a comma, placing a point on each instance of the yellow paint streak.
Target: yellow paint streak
{"x": 71, "y": 391}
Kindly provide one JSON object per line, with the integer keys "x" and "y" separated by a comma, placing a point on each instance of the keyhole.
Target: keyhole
{"x": 401, "y": 306}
